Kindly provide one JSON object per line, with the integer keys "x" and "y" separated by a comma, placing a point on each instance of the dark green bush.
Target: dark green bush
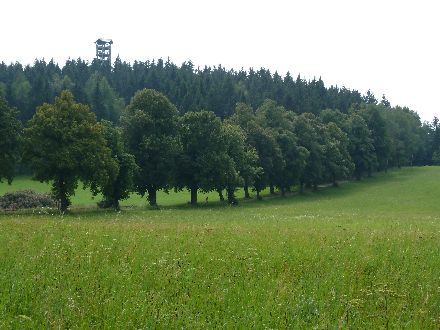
{"x": 26, "y": 199}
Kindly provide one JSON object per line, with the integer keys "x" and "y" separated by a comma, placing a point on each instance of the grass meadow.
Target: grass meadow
{"x": 364, "y": 255}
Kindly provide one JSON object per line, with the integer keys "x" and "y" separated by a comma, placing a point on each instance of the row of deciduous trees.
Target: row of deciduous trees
{"x": 154, "y": 147}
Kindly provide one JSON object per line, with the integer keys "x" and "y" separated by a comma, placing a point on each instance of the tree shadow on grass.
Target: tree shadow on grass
{"x": 324, "y": 192}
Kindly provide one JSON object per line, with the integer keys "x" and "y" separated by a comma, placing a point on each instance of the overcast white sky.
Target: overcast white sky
{"x": 391, "y": 47}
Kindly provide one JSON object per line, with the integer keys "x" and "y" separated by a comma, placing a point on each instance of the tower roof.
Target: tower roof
{"x": 102, "y": 41}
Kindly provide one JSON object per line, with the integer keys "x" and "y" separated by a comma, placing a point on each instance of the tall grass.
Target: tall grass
{"x": 365, "y": 255}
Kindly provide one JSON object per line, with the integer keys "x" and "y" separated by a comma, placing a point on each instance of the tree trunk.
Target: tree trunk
{"x": 64, "y": 203}
{"x": 315, "y": 186}
{"x": 258, "y": 195}
{"x": 246, "y": 191}
{"x": 334, "y": 182}
{"x": 152, "y": 193}
{"x": 220, "y": 195}
{"x": 62, "y": 195}
{"x": 283, "y": 191}
{"x": 115, "y": 199}
{"x": 194, "y": 195}
{"x": 116, "y": 205}
{"x": 231, "y": 196}
{"x": 301, "y": 187}
{"x": 272, "y": 189}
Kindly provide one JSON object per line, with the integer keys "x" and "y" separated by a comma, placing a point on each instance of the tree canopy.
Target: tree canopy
{"x": 150, "y": 129}
{"x": 118, "y": 187}
{"x": 203, "y": 163}
{"x": 10, "y": 135}
{"x": 64, "y": 144}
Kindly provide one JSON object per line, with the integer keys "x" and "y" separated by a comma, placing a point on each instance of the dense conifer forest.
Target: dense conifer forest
{"x": 162, "y": 126}
{"x": 107, "y": 89}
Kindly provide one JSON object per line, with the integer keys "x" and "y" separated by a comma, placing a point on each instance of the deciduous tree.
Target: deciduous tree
{"x": 64, "y": 144}
{"x": 279, "y": 123}
{"x": 244, "y": 160}
{"x": 118, "y": 187}
{"x": 337, "y": 161}
{"x": 150, "y": 129}
{"x": 204, "y": 163}
{"x": 361, "y": 145}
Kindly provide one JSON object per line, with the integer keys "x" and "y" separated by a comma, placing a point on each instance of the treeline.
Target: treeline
{"x": 215, "y": 130}
{"x": 157, "y": 148}
{"x": 107, "y": 89}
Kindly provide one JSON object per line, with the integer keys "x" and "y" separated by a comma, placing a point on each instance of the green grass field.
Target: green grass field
{"x": 85, "y": 199}
{"x": 364, "y": 255}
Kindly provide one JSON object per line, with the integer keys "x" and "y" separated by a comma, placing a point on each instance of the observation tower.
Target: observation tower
{"x": 104, "y": 50}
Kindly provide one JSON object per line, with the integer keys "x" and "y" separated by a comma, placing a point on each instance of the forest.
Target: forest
{"x": 151, "y": 126}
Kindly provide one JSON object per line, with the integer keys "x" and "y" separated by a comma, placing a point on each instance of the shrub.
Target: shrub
{"x": 26, "y": 199}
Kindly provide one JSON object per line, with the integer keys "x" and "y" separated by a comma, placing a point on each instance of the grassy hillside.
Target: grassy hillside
{"x": 365, "y": 255}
